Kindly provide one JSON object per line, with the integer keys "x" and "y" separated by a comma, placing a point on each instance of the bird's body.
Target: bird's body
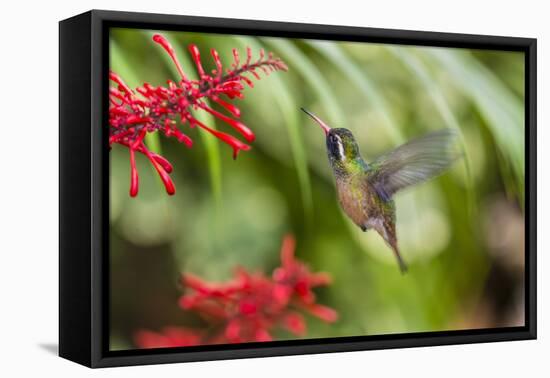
{"x": 365, "y": 190}
{"x": 362, "y": 204}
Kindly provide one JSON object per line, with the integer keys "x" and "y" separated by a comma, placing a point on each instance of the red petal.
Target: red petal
{"x": 295, "y": 323}
{"x": 236, "y": 58}
{"x": 163, "y": 162}
{"x": 236, "y": 144}
{"x": 196, "y": 55}
{"x": 239, "y": 126}
{"x": 320, "y": 279}
{"x": 247, "y": 308}
{"x": 287, "y": 251}
{"x": 133, "y": 174}
{"x": 262, "y": 335}
{"x": 165, "y": 177}
{"x": 117, "y": 79}
{"x": 170, "y": 50}
{"x": 325, "y": 313}
{"x": 217, "y": 61}
{"x": 236, "y": 112}
{"x": 148, "y": 339}
{"x": 232, "y": 331}
{"x": 197, "y": 283}
{"x": 171, "y": 337}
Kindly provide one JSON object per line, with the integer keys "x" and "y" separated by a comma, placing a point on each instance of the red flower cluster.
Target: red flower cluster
{"x": 249, "y": 307}
{"x": 132, "y": 115}
{"x": 169, "y": 337}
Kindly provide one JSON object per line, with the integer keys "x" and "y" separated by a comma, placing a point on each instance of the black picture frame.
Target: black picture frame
{"x": 83, "y": 195}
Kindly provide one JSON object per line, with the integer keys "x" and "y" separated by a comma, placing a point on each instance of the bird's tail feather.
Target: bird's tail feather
{"x": 400, "y": 261}
{"x": 387, "y": 231}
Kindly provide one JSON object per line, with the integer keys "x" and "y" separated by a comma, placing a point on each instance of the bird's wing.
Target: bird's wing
{"x": 413, "y": 162}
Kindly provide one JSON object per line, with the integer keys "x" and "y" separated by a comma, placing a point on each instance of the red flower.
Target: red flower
{"x": 132, "y": 115}
{"x": 251, "y": 305}
{"x": 295, "y": 281}
{"x": 244, "y": 309}
{"x": 170, "y": 337}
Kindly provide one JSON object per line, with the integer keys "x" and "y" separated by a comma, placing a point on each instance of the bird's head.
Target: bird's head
{"x": 341, "y": 145}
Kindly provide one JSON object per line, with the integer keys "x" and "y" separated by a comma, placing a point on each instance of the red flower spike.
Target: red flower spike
{"x": 151, "y": 109}
{"x": 170, "y": 50}
{"x": 165, "y": 178}
{"x": 207, "y": 310}
{"x": 322, "y": 312}
{"x": 249, "y": 82}
{"x": 249, "y": 307}
{"x": 133, "y": 119}
{"x": 295, "y": 275}
{"x": 253, "y": 72}
{"x": 168, "y": 338}
{"x": 217, "y": 61}
{"x": 295, "y": 323}
{"x": 287, "y": 251}
{"x": 320, "y": 279}
{"x": 262, "y": 335}
{"x": 183, "y": 138}
{"x": 197, "y": 284}
{"x": 232, "y": 331}
{"x": 133, "y": 174}
{"x": 236, "y": 60}
{"x": 117, "y": 79}
{"x": 248, "y": 55}
{"x": 240, "y": 127}
{"x": 137, "y": 143}
{"x": 236, "y": 112}
{"x": 196, "y": 55}
{"x": 236, "y": 144}
{"x": 163, "y": 162}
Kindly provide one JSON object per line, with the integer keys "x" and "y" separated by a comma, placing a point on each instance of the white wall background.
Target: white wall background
{"x": 29, "y": 188}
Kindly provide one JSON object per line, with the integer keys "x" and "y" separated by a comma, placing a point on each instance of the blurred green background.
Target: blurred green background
{"x": 462, "y": 233}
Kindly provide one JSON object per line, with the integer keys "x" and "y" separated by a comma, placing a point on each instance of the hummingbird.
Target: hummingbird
{"x": 365, "y": 190}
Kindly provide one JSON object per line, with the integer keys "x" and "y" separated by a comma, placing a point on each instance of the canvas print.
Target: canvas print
{"x": 266, "y": 189}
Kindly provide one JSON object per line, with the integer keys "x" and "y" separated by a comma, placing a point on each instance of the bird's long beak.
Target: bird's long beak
{"x": 323, "y": 125}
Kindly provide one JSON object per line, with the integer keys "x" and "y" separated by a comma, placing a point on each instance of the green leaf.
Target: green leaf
{"x": 284, "y": 98}
{"x": 359, "y": 78}
{"x": 415, "y": 65}
{"x": 314, "y": 78}
{"x": 503, "y": 112}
